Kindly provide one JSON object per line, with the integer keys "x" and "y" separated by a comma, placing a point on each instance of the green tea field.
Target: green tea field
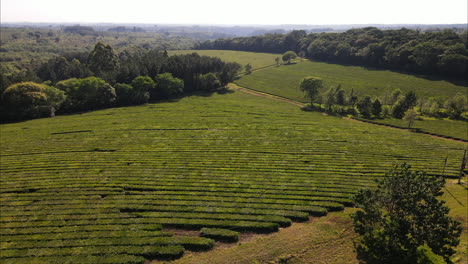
{"x": 449, "y": 128}
{"x": 284, "y": 81}
{"x": 105, "y": 186}
{"x": 257, "y": 60}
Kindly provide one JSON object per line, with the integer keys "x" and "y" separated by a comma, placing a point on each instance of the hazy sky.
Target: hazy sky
{"x": 237, "y": 11}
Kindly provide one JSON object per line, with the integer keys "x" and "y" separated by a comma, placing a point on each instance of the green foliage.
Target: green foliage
{"x": 443, "y": 127}
{"x": 410, "y": 117}
{"x": 229, "y": 73}
{"x": 283, "y": 81}
{"x": 442, "y": 52}
{"x": 365, "y": 106}
{"x": 209, "y": 82}
{"x": 402, "y": 214}
{"x": 311, "y": 86}
{"x": 219, "y": 234}
{"x": 288, "y": 56}
{"x": 104, "y": 182}
{"x": 103, "y": 61}
{"x": 128, "y": 95}
{"x": 456, "y": 106}
{"x": 30, "y": 100}
{"x": 87, "y": 94}
{"x": 167, "y": 86}
{"x": 404, "y": 104}
{"x": 248, "y": 68}
{"x": 256, "y": 59}
{"x": 376, "y": 108}
{"x": 426, "y": 256}
{"x": 143, "y": 86}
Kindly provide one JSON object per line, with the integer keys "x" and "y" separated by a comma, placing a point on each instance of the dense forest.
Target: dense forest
{"x": 102, "y": 78}
{"x": 443, "y": 53}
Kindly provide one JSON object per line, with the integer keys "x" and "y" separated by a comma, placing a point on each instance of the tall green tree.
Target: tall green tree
{"x": 376, "y": 107}
{"x": 288, "y": 56}
{"x": 404, "y": 104}
{"x": 167, "y": 86}
{"x": 365, "y": 106}
{"x": 402, "y": 214}
{"x": 311, "y": 86}
{"x": 103, "y": 61}
{"x": 456, "y": 106}
{"x": 209, "y": 82}
{"x": 87, "y": 94}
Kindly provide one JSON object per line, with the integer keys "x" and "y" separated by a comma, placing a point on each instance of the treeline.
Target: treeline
{"x": 82, "y": 82}
{"x": 443, "y": 53}
{"x": 396, "y": 104}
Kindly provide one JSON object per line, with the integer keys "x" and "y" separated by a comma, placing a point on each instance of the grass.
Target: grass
{"x": 257, "y": 60}
{"x": 445, "y": 127}
{"x": 284, "y": 81}
{"x": 230, "y": 161}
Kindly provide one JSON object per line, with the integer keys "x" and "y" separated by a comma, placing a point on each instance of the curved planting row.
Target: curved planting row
{"x": 101, "y": 187}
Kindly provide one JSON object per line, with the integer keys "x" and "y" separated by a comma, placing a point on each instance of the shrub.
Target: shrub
{"x": 219, "y": 234}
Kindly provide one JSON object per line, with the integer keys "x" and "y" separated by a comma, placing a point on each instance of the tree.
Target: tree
{"x": 248, "y": 68}
{"x": 143, "y": 87}
{"x": 136, "y": 93}
{"x": 31, "y": 100}
{"x": 340, "y": 96}
{"x": 87, "y": 94}
{"x": 376, "y": 108}
{"x": 364, "y": 106}
{"x": 311, "y": 86}
{"x": 229, "y": 73}
{"x": 402, "y": 214}
{"x": 410, "y": 116}
{"x": 395, "y": 96}
{"x": 404, "y": 104}
{"x": 167, "y": 86}
{"x": 209, "y": 82}
{"x": 456, "y": 106}
{"x": 288, "y": 56}
{"x": 103, "y": 61}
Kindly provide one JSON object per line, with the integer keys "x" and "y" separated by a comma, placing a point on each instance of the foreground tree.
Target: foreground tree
{"x": 311, "y": 86}
{"x": 401, "y": 217}
{"x": 288, "y": 56}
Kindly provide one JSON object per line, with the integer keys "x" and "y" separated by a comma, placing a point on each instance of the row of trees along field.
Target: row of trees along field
{"x": 397, "y": 104}
{"x": 103, "y": 79}
{"x": 444, "y": 53}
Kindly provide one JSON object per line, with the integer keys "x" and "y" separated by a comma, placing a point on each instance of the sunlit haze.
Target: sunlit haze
{"x": 237, "y": 12}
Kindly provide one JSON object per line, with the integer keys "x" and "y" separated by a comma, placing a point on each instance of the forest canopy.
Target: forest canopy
{"x": 443, "y": 53}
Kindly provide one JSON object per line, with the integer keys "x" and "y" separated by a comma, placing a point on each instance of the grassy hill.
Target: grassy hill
{"x": 102, "y": 187}
{"x": 257, "y": 60}
{"x": 284, "y": 81}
